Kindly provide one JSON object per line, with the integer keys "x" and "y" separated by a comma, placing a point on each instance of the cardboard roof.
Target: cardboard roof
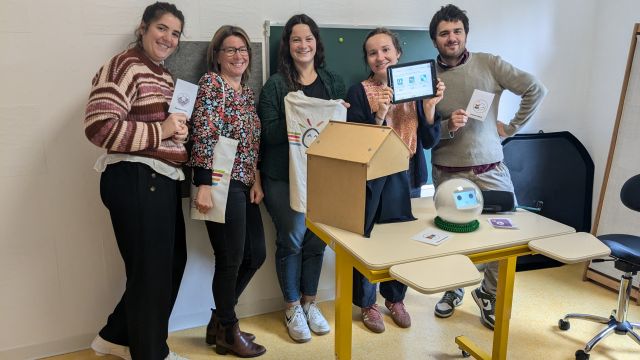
{"x": 353, "y": 142}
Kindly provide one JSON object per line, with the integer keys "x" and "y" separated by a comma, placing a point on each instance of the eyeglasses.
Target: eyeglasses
{"x": 230, "y": 51}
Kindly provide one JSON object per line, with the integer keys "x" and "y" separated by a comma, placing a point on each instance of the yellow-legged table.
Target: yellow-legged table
{"x": 391, "y": 244}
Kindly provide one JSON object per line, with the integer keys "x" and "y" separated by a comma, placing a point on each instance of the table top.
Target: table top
{"x": 391, "y": 244}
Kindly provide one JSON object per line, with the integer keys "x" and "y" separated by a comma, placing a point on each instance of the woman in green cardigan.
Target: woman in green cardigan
{"x": 299, "y": 252}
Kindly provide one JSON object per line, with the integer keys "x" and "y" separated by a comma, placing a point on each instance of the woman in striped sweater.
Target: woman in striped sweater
{"x": 127, "y": 115}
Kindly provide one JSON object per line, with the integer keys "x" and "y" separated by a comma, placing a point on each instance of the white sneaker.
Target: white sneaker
{"x": 174, "y": 356}
{"x": 103, "y": 347}
{"x": 297, "y": 324}
{"x": 317, "y": 323}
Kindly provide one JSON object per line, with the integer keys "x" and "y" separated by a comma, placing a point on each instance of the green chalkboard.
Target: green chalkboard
{"x": 343, "y": 53}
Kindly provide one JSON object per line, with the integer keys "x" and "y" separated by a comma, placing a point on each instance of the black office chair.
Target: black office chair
{"x": 625, "y": 251}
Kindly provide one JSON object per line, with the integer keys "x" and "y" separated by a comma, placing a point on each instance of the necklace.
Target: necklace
{"x": 237, "y": 87}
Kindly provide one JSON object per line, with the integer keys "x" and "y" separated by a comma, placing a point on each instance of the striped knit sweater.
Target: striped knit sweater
{"x": 129, "y": 100}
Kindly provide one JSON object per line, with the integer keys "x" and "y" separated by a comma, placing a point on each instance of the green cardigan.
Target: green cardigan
{"x": 274, "y": 144}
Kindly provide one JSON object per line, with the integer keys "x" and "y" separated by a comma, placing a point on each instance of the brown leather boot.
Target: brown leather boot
{"x": 212, "y": 327}
{"x": 229, "y": 339}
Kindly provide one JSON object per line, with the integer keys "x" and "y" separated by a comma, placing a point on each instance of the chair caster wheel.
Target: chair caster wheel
{"x": 465, "y": 354}
{"x": 581, "y": 355}
{"x": 564, "y": 325}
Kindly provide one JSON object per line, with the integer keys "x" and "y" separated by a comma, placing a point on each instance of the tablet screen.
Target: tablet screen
{"x": 412, "y": 81}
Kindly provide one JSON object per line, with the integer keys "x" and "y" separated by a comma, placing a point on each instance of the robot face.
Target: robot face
{"x": 458, "y": 201}
{"x": 465, "y": 198}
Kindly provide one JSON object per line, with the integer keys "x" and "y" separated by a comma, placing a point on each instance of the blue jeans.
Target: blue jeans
{"x": 299, "y": 252}
{"x": 364, "y": 292}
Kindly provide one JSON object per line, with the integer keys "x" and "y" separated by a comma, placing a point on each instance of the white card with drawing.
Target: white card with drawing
{"x": 431, "y": 236}
{"x": 184, "y": 98}
{"x": 479, "y": 104}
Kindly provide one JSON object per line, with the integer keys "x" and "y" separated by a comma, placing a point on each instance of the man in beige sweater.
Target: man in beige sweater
{"x": 471, "y": 148}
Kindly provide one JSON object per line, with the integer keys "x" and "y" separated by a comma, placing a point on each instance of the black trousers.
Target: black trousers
{"x": 146, "y": 215}
{"x": 239, "y": 250}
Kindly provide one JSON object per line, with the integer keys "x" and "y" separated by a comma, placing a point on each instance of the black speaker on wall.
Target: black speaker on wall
{"x": 554, "y": 173}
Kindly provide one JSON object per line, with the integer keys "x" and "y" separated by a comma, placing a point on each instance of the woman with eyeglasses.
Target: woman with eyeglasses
{"x": 225, "y": 106}
{"x": 299, "y": 252}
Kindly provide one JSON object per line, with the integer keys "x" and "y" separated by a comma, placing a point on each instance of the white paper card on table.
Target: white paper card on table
{"x": 502, "y": 223}
{"x": 479, "y": 104}
{"x": 431, "y": 236}
{"x": 184, "y": 98}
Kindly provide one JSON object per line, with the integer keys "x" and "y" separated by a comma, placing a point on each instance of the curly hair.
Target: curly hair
{"x": 448, "y": 13}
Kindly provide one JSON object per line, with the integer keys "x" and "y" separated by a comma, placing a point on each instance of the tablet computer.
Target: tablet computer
{"x": 412, "y": 81}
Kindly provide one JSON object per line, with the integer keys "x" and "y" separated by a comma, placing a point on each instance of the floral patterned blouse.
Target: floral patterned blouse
{"x": 220, "y": 110}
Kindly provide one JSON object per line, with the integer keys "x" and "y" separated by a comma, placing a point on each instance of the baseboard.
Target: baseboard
{"x": 201, "y": 318}
{"x": 52, "y": 348}
{"x": 611, "y": 283}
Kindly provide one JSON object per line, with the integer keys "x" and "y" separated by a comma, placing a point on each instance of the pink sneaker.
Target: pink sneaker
{"x": 372, "y": 318}
{"x": 399, "y": 313}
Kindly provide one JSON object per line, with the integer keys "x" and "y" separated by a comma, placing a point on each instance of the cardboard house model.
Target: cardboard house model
{"x": 340, "y": 162}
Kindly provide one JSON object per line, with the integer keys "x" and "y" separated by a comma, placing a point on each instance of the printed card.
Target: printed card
{"x": 431, "y": 236}
{"x": 479, "y": 104}
{"x": 502, "y": 223}
{"x": 184, "y": 98}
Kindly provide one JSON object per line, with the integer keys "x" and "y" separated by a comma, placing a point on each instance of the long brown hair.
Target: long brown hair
{"x": 286, "y": 66}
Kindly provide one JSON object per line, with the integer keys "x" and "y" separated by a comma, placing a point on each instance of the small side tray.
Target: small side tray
{"x": 436, "y": 275}
{"x": 571, "y": 248}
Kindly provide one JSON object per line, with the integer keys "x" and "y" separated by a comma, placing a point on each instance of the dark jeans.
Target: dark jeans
{"x": 364, "y": 292}
{"x": 239, "y": 250}
{"x": 146, "y": 213}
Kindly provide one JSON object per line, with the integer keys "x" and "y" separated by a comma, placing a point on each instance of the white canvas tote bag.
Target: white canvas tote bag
{"x": 306, "y": 118}
{"x": 224, "y": 153}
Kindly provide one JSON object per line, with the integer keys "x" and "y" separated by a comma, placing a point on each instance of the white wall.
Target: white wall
{"x": 60, "y": 271}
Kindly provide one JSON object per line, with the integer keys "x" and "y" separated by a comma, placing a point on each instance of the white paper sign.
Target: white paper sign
{"x": 479, "y": 104}
{"x": 431, "y": 236}
{"x": 184, "y": 98}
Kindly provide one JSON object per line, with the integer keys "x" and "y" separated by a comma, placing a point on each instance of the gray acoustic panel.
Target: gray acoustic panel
{"x": 189, "y": 63}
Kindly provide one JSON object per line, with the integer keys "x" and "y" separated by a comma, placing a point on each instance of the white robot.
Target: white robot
{"x": 458, "y": 203}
